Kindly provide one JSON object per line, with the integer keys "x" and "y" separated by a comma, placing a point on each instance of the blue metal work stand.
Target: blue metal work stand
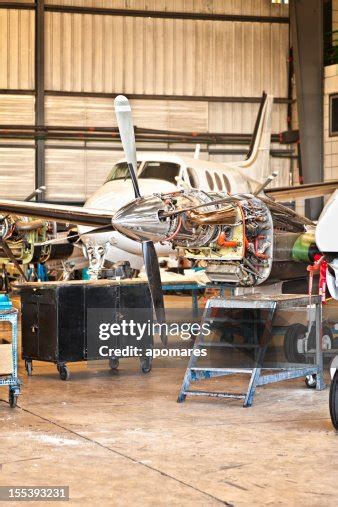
{"x": 279, "y": 371}
{"x": 10, "y": 314}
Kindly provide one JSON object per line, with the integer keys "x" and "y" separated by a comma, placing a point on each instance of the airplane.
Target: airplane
{"x": 161, "y": 172}
{"x": 165, "y": 172}
{"x": 158, "y": 172}
{"x": 240, "y": 238}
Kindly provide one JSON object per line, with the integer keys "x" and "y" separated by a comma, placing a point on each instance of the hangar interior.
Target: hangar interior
{"x": 220, "y": 91}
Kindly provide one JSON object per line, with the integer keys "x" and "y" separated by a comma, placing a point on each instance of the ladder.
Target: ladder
{"x": 281, "y": 371}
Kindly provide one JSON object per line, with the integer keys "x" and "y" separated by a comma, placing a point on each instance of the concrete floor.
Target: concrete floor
{"x": 120, "y": 438}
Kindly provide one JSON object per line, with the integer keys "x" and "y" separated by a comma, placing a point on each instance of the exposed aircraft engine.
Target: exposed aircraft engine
{"x": 233, "y": 241}
{"x": 239, "y": 239}
{"x": 21, "y": 233}
{"x": 25, "y": 238}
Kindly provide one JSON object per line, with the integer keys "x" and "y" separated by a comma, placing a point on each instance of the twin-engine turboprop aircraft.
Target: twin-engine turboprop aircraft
{"x": 165, "y": 172}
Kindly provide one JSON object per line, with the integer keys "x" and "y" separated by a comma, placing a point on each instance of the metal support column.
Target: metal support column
{"x": 40, "y": 92}
{"x": 306, "y": 21}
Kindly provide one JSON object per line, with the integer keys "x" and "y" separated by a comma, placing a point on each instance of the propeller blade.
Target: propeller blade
{"x": 155, "y": 285}
{"x": 11, "y": 256}
{"x": 127, "y": 134}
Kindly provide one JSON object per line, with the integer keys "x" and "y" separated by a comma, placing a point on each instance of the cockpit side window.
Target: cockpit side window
{"x": 227, "y": 184}
{"x": 209, "y": 180}
{"x": 160, "y": 171}
{"x": 193, "y": 178}
{"x": 218, "y": 182}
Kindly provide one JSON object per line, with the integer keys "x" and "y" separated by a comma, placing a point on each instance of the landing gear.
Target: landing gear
{"x": 29, "y": 367}
{"x": 293, "y": 342}
{"x": 296, "y": 343}
{"x": 63, "y": 370}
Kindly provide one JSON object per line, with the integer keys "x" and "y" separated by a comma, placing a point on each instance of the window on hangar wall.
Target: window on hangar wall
{"x": 333, "y": 114}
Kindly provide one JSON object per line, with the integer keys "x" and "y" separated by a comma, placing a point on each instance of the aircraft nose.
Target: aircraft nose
{"x": 139, "y": 220}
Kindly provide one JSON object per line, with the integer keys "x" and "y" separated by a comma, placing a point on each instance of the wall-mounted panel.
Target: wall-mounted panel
{"x": 111, "y": 54}
{"x": 16, "y": 49}
{"x": 17, "y": 109}
{"x": 17, "y": 172}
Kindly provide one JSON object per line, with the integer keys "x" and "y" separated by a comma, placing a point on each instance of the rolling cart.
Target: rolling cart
{"x": 58, "y": 319}
{"x": 9, "y": 352}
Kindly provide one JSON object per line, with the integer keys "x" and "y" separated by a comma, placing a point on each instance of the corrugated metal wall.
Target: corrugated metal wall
{"x": 16, "y": 172}
{"x": 88, "y": 53}
{"x": 16, "y": 49}
{"x": 114, "y": 54}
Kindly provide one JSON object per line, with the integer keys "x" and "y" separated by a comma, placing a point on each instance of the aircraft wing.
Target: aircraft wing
{"x": 307, "y": 191}
{"x": 58, "y": 213}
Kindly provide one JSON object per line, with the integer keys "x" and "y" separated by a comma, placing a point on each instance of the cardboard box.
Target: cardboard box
{"x": 6, "y": 361}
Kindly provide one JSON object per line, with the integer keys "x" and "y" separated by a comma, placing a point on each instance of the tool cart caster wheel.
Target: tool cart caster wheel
{"x": 311, "y": 381}
{"x": 13, "y": 396}
{"x": 64, "y": 372}
{"x": 29, "y": 367}
{"x": 114, "y": 363}
{"x": 334, "y": 400}
{"x": 146, "y": 365}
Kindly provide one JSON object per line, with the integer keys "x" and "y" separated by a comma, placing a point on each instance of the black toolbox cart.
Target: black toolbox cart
{"x": 55, "y": 324}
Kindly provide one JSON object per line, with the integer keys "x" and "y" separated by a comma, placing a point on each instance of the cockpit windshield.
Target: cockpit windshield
{"x": 120, "y": 171}
{"x": 151, "y": 170}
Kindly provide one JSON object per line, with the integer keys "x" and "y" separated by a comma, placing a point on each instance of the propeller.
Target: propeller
{"x": 126, "y": 128}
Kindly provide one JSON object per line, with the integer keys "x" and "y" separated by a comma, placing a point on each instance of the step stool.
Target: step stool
{"x": 286, "y": 371}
